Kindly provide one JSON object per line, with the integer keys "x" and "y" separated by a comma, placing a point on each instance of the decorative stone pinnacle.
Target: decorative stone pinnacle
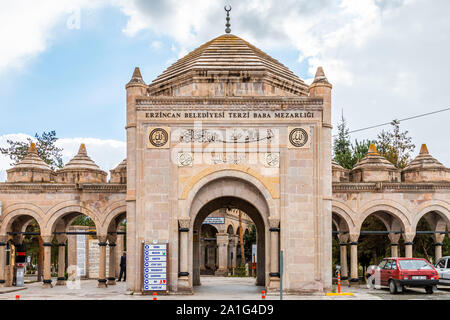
{"x": 424, "y": 149}
{"x": 228, "y": 25}
{"x": 32, "y": 148}
{"x": 82, "y": 149}
{"x": 320, "y": 76}
{"x": 136, "y": 77}
{"x": 137, "y": 73}
{"x": 373, "y": 149}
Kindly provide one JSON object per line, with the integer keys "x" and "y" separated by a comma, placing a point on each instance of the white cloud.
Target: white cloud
{"x": 26, "y": 27}
{"x": 107, "y": 154}
{"x": 386, "y": 58}
{"x": 156, "y": 45}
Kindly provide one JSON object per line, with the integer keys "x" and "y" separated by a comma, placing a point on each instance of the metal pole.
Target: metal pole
{"x": 281, "y": 274}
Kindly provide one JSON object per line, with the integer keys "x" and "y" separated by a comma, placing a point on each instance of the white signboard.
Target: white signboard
{"x": 214, "y": 220}
{"x": 155, "y": 267}
{"x": 254, "y": 253}
{"x": 81, "y": 254}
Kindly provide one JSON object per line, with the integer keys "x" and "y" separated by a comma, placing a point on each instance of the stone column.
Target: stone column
{"x": 183, "y": 273}
{"x": 394, "y": 250}
{"x": 3, "y": 239}
{"x": 211, "y": 259}
{"x": 47, "y": 282}
{"x": 354, "y": 277}
{"x": 61, "y": 260}
{"x": 102, "y": 263}
{"x": 112, "y": 260}
{"x": 344, "y": 267}
{"x": 120, "y": 248}
{"x": 233, "y": 249}
{"x": 202, "y": 255}
{"x": 394, "y": 238}
{"x": 222, "y": 245}
{"x": 438, "y": 243}
{"x": 408, "y": 237}
{"x": 343, "y": 242}
{"x": 274, "y": 273}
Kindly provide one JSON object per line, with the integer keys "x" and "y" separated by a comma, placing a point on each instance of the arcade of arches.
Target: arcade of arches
{"x": 225, "y": 128}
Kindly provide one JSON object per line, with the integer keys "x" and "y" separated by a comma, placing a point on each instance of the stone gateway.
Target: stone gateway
{"x": 229, "y": 126}
{"x": 226, "y": 132}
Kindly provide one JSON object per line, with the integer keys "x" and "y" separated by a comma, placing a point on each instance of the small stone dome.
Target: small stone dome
{"x": 31, "y": 169}
{"x": 119, "y": 173}
{"x": 339, "y": 173}
{"x": 425, "y": 168}
{"x": 81, "y": 169}
{"x": 375, "y": 168}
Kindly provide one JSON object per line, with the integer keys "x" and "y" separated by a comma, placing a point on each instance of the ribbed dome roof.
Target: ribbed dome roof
{"x": 31, "y": 161}
{"x": 424, "y": 161}
{"x": 121, "y": 166}
{"x": 336, "y": 166}
{"x": 81, "y": 161}
{"x": 373, "y": 160}
{"x": 230, "y": 53}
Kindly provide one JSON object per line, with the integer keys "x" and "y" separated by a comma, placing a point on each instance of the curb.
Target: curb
{"x": 12, "y": 290}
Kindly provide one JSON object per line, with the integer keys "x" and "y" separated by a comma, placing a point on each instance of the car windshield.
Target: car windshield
{"x": 414, "y": 265}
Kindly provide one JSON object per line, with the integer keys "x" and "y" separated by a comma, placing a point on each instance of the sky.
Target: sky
{"x": 64, "y": 63}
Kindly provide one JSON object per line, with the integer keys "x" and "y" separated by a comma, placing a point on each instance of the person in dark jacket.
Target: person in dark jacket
{"x": 123, "y": 267}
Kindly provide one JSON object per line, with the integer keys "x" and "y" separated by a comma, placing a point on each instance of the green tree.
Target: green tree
{"x": 249, "y": 240}
{"x": 347, "y": 154}
{"x": 359, "y": 150}
{"x": 45, "y": 145}
{"x": 342, "y": 146}
{"x": 395, "y": 145}
{"x": 83, "y": 221}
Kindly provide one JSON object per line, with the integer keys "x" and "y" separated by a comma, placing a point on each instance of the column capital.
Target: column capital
{"x": 274, "y": 223}
{"x": 184, "y": 222}
{"x": 222, "y": 238}
{"x": 353, "y": 237}
{"x": 408, "y": 237}
{"x": 112, "y": 238}
{"x": 343, "y": 238}
{"x": 47, "y": 238}
{"x": 102, "y": 238}
{"x": 61, "y": 238}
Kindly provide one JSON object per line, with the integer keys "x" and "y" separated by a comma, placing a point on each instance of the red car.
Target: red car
{"x": 397, "y": 273}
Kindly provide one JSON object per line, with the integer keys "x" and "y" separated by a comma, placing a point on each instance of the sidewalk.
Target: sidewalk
{"x": 212, "y": 288}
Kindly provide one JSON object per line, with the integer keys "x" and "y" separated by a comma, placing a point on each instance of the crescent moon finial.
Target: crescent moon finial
{"x": 228, "y": 25}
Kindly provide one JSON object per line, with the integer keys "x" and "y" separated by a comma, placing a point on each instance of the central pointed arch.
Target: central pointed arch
{"x": 217, "y": 191}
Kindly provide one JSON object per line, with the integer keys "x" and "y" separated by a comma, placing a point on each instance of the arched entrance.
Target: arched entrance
{"x": 222, "y": 238}
{"x": 223, "y": 190}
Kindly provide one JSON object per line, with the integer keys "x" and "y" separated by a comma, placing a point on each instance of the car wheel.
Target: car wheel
{"x": 429, "y": 290}
{"x": 392, "y": 287}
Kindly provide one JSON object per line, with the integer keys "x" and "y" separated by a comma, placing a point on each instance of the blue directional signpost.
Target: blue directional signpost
{"x": 155, "y": 275}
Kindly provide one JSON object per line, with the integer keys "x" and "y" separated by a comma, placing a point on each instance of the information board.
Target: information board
{"x": 81, "y": 253}
{"x": 214, "y": 220}
{"x": 155, "y": 268}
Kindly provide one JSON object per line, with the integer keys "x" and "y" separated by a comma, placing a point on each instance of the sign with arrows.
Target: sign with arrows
{"x": 155, "y": 268}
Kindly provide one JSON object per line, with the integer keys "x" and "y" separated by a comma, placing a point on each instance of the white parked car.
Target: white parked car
{"x": 443, "y": 268}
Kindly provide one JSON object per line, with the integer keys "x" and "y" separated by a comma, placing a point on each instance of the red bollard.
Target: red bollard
{"x": 339, "y": 282}
{"x": 155, "y": 296}
{"x": 263, "y": 294}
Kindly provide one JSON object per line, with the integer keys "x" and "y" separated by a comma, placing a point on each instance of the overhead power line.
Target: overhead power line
{"x": 401, "y": 120}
